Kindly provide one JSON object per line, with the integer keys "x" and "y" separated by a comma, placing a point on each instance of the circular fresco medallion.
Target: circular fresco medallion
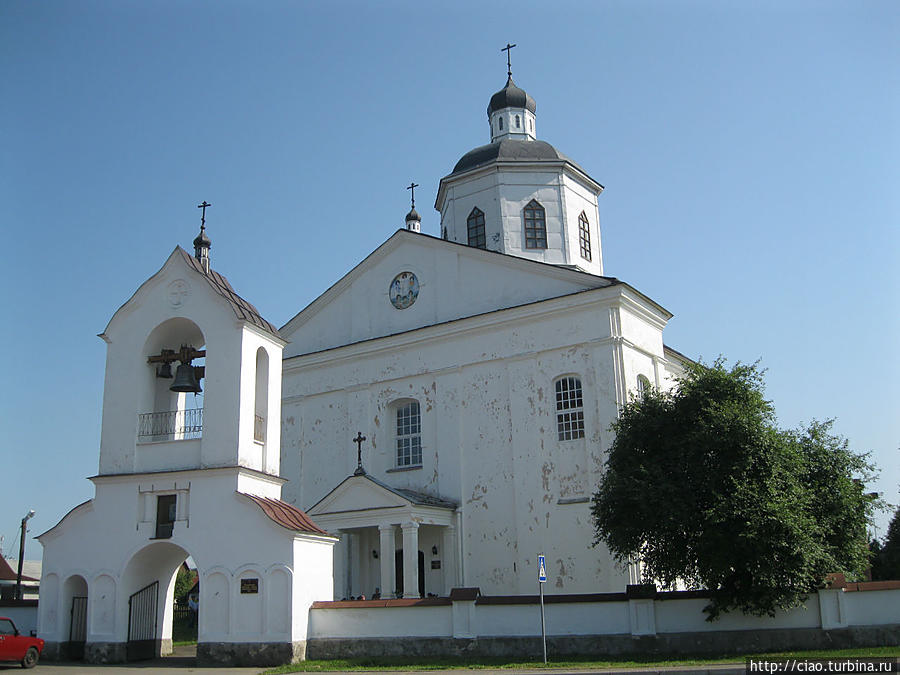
{"x": 404, "y": 290}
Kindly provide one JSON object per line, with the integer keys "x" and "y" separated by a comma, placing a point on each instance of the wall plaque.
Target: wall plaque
{"x": 249, "y": 585}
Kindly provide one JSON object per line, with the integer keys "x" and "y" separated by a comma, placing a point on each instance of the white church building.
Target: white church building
{"x": 434, "y": 420}
{"x": 483, "y": 369}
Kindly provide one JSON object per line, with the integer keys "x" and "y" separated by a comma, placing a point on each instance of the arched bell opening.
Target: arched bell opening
{"x": 171, "y": 407}
{"x": 156, "y": 606}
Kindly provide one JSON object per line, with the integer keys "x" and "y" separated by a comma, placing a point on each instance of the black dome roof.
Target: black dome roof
{"x": 511, "y": 150}
{"x": 413, "y": 215}
{"x": 511, "y": 97}
{"x": 201, "y": 240}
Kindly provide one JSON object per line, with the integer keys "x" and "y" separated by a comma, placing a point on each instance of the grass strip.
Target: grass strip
{"x": 585, "y": 662}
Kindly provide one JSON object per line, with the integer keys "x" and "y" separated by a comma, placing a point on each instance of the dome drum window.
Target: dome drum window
{"x": 584, "y": 237}
{"x": 535, "y": 225}
{"x": 475, "y": 227}
{"x": 569, "y": 409}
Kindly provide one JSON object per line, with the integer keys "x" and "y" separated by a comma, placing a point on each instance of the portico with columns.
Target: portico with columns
{"x": 393, "y": 542}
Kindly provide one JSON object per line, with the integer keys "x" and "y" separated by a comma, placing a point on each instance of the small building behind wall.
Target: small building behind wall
{"x": 189, "y": 466}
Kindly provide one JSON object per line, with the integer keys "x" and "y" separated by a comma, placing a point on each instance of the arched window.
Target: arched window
{"x": 409, "y": 434}
{"x": 584, "y": 236}
{"x": 500, "y": 123}
{"x": 518, "y": 124}
{"x": 535, "y": 225}
{"x": 262, "y": 396}
{"x": 569, "y": 409}
{"x": 643, "y": 384}
{"x": 475, "y": 225}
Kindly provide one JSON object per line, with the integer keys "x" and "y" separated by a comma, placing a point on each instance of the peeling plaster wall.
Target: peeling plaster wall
{"x": 489, "y": 436}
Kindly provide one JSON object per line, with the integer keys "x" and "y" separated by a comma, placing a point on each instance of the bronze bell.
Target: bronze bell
{"x": 185, "y": 380}
{"x": 164, "y": 371}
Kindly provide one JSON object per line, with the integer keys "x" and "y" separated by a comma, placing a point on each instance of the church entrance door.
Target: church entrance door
{"x": 398, "y": 567}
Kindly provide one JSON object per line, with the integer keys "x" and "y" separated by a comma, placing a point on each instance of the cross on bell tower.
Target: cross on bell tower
{"x": 202, "y": 244}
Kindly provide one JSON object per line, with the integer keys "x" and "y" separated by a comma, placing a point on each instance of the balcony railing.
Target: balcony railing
{"x": 259, "y": 429}
{"x": 174, "y": 425}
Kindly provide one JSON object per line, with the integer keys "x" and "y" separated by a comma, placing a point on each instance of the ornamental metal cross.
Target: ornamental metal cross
{"x": 360, "y": 471}
{"x": 203, "y": 213}
{"x": 507, "y": 49}
{"x": 412, "y": 187}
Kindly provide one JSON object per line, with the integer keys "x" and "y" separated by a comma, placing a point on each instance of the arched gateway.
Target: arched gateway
{"x": 189, "y": 466}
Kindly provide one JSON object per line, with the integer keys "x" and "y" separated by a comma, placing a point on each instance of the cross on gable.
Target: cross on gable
{"x": 360, "y": 471}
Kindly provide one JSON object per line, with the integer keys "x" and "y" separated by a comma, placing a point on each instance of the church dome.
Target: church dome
{"x": 413, "y": 215}
{"x": 510, "y": 150}
{"x": 201, "y": 240}
{"x": 511, "y": 96}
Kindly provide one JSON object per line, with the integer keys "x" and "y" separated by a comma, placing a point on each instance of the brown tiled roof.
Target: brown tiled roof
{"x": 7, "y": 573}
{"x": 286, "y": 515}
{"x": 242, "y": 309}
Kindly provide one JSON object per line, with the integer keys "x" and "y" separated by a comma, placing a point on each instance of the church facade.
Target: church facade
{"x": 483, "y": 369}
{"x": 434, "y": 420}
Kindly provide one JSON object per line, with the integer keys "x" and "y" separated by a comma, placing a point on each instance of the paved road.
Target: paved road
{"x": 182, "y": 661}
{"x": 177, "y": 666}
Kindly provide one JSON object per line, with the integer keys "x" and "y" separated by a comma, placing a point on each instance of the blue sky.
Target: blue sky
{"x": 750, "y": 153}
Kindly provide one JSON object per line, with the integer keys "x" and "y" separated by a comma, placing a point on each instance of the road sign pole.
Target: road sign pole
{"x": 542, "y": 578}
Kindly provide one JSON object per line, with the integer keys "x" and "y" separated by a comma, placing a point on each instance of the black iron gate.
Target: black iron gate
{"x": 142, "y": 624}
{"x": 77, "y": 628}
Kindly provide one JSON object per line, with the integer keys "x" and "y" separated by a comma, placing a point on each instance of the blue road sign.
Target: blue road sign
{"x": 542, "y": 569}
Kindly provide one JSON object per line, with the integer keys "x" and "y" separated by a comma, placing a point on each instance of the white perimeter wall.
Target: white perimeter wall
{"x": 623, "y": 617}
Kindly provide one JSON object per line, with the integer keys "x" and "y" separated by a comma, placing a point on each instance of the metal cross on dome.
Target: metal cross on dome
{"x": 203, "y": 213}
{"x": 412, "y": 187}
{"x": 507, "y": 49}
{"x": 360, "y": 471}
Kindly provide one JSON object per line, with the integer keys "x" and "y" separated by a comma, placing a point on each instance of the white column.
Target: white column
{"x": 410, "y": 560}
{"x": 342, "y": 567}
{"x": 386, "y": 554}
{"x": 449, "y": 556}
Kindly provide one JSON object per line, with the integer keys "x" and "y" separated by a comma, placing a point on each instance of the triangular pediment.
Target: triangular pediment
{"x": 358, "y": 493}
{"x": 179, "y": 277}
{"x": 414, "y": 281}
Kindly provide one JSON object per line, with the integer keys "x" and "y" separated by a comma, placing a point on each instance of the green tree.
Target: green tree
{"x": 886, "y": 558}
{"x": 184, "y": 581}
{"x": 702, "y": 486}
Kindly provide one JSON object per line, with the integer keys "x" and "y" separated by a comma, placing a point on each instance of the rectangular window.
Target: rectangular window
{"x": 409, "y": 435}
{"x": 569, "y": 409}
{"x": 165, "y": 516}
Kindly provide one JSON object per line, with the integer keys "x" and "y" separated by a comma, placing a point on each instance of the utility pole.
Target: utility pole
{"x": 22, "y": 555}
